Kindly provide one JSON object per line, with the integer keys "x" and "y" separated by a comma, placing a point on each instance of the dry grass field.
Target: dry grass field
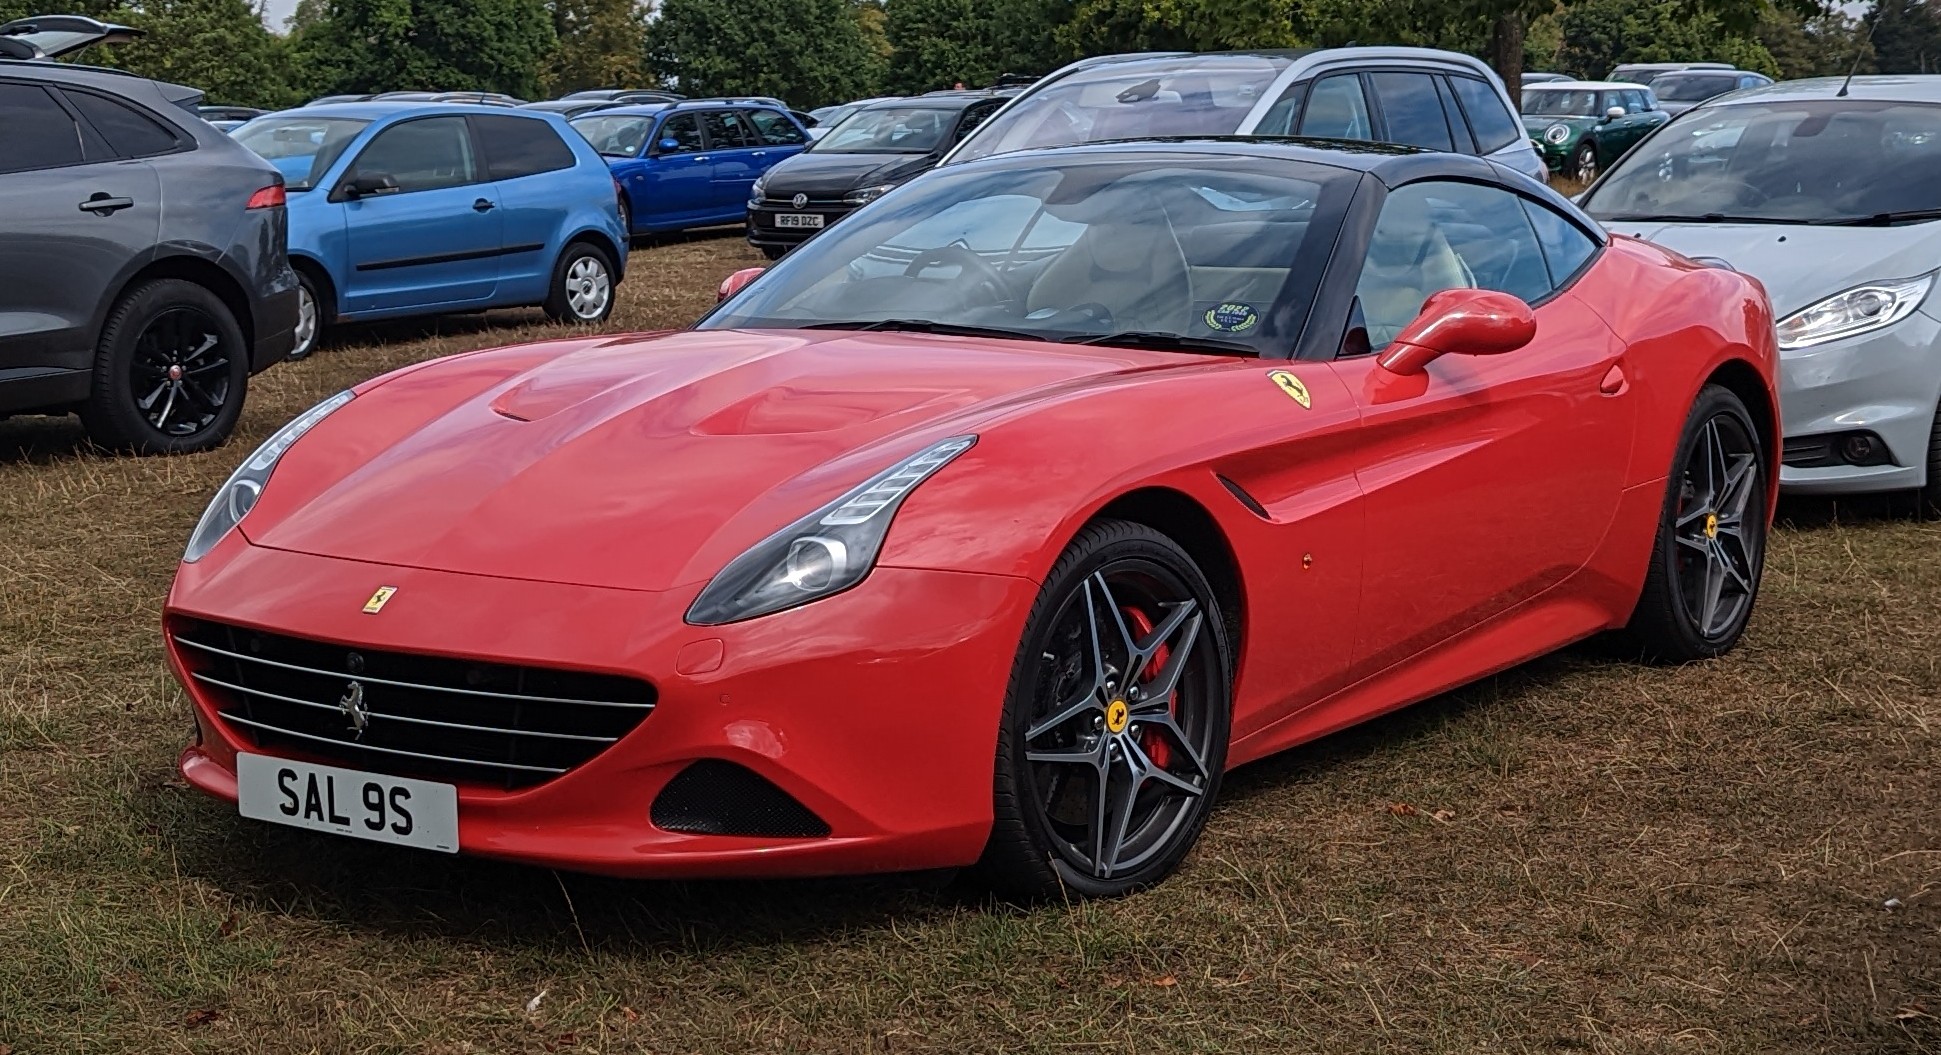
{"x": 1582, "y": 855}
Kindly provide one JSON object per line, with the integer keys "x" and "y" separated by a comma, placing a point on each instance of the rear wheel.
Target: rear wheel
{"x": 170, "y": 371}
{"x": 1115, "y": 726}
{"x": 582, "y": 290}
{"x": 1583, "y": 163}
{"x": 1711, "y": 545}
{"x": 309, "y": 318}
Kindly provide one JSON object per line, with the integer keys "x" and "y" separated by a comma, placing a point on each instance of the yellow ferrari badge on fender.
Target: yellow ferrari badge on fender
{"x": 1292, "y": 386}
{"x": 379, "y": 599}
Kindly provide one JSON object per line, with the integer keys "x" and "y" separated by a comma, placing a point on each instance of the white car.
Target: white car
{"x": 1414, "y": 96}
{"x": 1828, "y": 194}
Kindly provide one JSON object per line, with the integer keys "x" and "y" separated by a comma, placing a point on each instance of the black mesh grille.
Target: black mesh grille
{"x": 712, "y": 797}
{"x": 424, "y": 716}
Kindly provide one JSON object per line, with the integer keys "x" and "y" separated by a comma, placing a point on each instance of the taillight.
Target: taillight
{"x": 270, "y": 197}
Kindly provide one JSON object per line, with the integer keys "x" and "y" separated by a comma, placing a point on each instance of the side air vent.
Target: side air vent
{"x": 713, "y": 797}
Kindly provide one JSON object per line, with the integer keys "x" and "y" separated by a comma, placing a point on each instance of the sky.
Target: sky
{"x": 275, "y": 12}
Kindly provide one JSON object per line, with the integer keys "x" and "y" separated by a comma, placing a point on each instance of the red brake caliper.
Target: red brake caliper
{"x": 1154, "y": 743}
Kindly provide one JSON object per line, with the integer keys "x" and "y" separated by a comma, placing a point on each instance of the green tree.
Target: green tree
{"x": 219, "y": 46}
{"x": 936, "y": 43}
{"x": 1097, "y": 27}
{"x": 873, "y": 22}
{"x": 1827, "y": 45}
{"x": 808, "y": 52}
{"x": 445, "y": 45}
{"x": 600, "y": 44}
{"x": 1600, "y": 34}
{"x": 1906, "y": 36}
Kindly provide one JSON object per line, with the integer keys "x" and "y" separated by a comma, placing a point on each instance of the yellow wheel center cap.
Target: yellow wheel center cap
{"x": 1711, "y": 525}
{"x": 1117, "y": 715}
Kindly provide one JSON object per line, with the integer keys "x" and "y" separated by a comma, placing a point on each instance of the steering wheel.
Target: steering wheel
{"x": 987, "y": 274}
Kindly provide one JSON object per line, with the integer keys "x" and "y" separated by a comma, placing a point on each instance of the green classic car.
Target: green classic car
{"x": 1581, "y": 127}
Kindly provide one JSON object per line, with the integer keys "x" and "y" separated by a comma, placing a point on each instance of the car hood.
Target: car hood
{"x": 821, "y": 175}
{"x": 641, "y": 463}
{"x": 1802, "y": 265}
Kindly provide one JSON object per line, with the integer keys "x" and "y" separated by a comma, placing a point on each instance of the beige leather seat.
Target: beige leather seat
{"x": 1408, "y": 259}
{"x": 1132, "y": 266}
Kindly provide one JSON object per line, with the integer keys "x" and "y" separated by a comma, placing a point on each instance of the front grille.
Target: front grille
{"x": 714, "y": 797}
{"x": 426, "y": 716}
{"x": 787, "y": 201}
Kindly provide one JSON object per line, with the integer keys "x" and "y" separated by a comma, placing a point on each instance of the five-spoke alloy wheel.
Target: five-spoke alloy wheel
{"x": 1115, "y": 727}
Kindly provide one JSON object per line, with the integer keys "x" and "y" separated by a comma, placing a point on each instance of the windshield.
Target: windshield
{"x": 302, "y": 148}
{"x": 1634, "y": 76}
{"x": 1197, "y": 96}
{"x": 1206, "y": 253}
{"x": 618, "y": 136}
{"x": 1693, "y": 87}
{"x": 1826, "y": 161}
{"x": 1538, "y": 102}
{"x": 891, "y": 130}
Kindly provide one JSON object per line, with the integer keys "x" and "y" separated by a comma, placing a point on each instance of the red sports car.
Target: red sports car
{"x": 988, "y": 528}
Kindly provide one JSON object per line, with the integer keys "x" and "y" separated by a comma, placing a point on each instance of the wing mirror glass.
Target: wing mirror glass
{"x": 733, "y": 283}
{"x": 669, "y": 145}
{"x": 365, "y": 184}
{"x": 1461, "y": 322}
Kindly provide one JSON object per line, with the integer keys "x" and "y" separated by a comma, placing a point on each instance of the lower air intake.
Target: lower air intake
{"x": 712, "y": 797}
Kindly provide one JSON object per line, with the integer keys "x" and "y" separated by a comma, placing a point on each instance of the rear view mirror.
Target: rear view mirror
{"x": 733, "y": 283}
{"x": 1461, "y": 322}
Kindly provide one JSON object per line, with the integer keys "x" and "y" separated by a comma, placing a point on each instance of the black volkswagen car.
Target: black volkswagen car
{"x": 872, "y": 151}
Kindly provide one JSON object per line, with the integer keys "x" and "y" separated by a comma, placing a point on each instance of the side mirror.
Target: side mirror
{"x": 668, "y": 145}
{"x": 1614, "y": 113}
{"x": 734, "y": 283}
{"x": 365, "y": 184}
{"x": 1460, "y": 322}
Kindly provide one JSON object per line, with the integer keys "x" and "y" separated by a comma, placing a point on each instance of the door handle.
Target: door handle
{"x": 483, "y": 205}
{"x": 760, "y": 154}
{"x": 1614, "y": 381}
{"x": 700, "y": 158}
{"x": 101, "y": 203}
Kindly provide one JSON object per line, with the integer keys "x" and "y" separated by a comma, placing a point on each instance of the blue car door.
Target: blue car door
{"x": 431, "y": 237}
{"x": 732, "y": 146}
{"x": 531, "y": 170}
{"x": 778, "y": 137}
{"x": 670, "y": 188}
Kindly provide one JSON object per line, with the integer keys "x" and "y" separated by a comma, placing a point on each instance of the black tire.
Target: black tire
{"x": 170, "y": 372}
{"x": 1714, "y": 511}
{"x": 583, "y": 286}
{"x": 773, "y": 252}
{"x": 1583, "y": 161}
{"x": 1928, "y": 498}
{"x": 310, "y": 330}
{"x": 1034, "y": 851}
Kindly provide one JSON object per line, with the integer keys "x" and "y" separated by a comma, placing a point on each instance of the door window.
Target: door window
{"x": 1635, "y": 102}
{"x": 974, "y": 115}
{"x": 1413, "y": 110}
{"x": 1336, "y": 109}
{"x": 40, "y": 134}
{"x": 725, "y": 130}
{"x": 426, "y": 154}
{"x": 774, "y": 130}
{"x": 1438, "y": 235}
{"x": 130, "y": 132}
{"x": 1488, "y": 117}
{"x": 684, "y": 130}
{"x": 520, "y": 146}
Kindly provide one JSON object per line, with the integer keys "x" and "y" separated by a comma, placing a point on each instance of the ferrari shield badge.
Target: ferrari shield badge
{"x": 1291, "y": 385}
{"x": 379, "y": 599}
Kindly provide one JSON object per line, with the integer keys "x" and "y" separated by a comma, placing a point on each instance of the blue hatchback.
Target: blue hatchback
{"x": 691, "y": 164}
{"x": 415, "y": 209}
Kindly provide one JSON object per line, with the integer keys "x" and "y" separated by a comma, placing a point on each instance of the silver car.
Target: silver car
{"x": 1828, "y": 195}
{"x": 1440, "y": 100}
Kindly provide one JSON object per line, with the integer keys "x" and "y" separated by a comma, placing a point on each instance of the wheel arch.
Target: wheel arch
{"x": 1742, "y": 379}
{"x": 204, "y": 273}
{"x": 598, "y": 239}
{"x": 319, "y": 276}
{"x": 1183, "y": 519}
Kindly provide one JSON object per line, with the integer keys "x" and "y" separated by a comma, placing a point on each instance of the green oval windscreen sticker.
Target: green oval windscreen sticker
{"x": 1232, "y": 317}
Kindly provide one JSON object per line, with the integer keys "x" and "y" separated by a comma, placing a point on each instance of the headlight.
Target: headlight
{"x": 759, "y": 189}
{"x": 1557, "y": 133}
{"x": 826, "y": 552}
{"x": 237, "y": 496}
{"x": 867, "y": 194}
{"x": 1861, "y": 309}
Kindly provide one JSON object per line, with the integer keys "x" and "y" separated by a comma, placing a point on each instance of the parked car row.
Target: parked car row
{"x": 1582, "y": 127}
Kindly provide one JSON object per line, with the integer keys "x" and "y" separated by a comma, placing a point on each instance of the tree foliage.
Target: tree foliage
{"x": 1600, "y": 34}
{"x": 444, "y": 45}
{"x": 1906, "y": 36}
{"x": 600, "y": 44}
{"x": 1827, "y": 45}
{"x": 809, "y": 52}
{"x": 936, "y": 43}
{"x": 1097, "y": 27}
{"x": 219, "y": 46}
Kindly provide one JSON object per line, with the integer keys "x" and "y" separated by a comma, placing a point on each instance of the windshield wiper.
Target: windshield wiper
{"x": 1882, "y": 219}
{"x": 1174, "y": 342}
{"x": 925, "y": 326}
{"x": 1710, "y": 217}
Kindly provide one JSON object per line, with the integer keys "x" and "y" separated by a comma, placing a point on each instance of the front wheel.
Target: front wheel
{"x": 1115, "y": 726}
{"x": 1584, "y": 162}
{"x": 1711, "y": 544}
{"x": 582, "y": 290}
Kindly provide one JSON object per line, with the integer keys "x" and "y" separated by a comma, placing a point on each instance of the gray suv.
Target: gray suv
{"x": 144, "y": 272}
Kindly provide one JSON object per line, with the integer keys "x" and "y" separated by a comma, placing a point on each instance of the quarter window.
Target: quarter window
{"x": 1439, "y": 235}
{"x": 521, "y": 146}
{"x": 1337, "y": 109}
{"x": 1412, "y": 109}
{"x": 773, "y": 129}
{"x": 40, "y": 134}
{"x": 1489, "y": 119}
{"x": 130, "y": 132}
{"x": 426, "y": 154}
{"x": 1565, "y": 246}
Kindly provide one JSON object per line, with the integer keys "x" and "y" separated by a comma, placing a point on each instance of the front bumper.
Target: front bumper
{"x": 1887, "y": 382}
{"x": 763, "y": 232}
{"x": 877, "y": 709}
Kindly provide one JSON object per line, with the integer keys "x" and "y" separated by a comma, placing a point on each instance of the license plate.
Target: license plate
{"x": 346, "y": 802}
{"x": 810, "y": 220}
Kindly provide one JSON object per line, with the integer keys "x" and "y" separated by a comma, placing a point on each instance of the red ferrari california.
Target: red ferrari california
{"x": 989, "y": 527}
